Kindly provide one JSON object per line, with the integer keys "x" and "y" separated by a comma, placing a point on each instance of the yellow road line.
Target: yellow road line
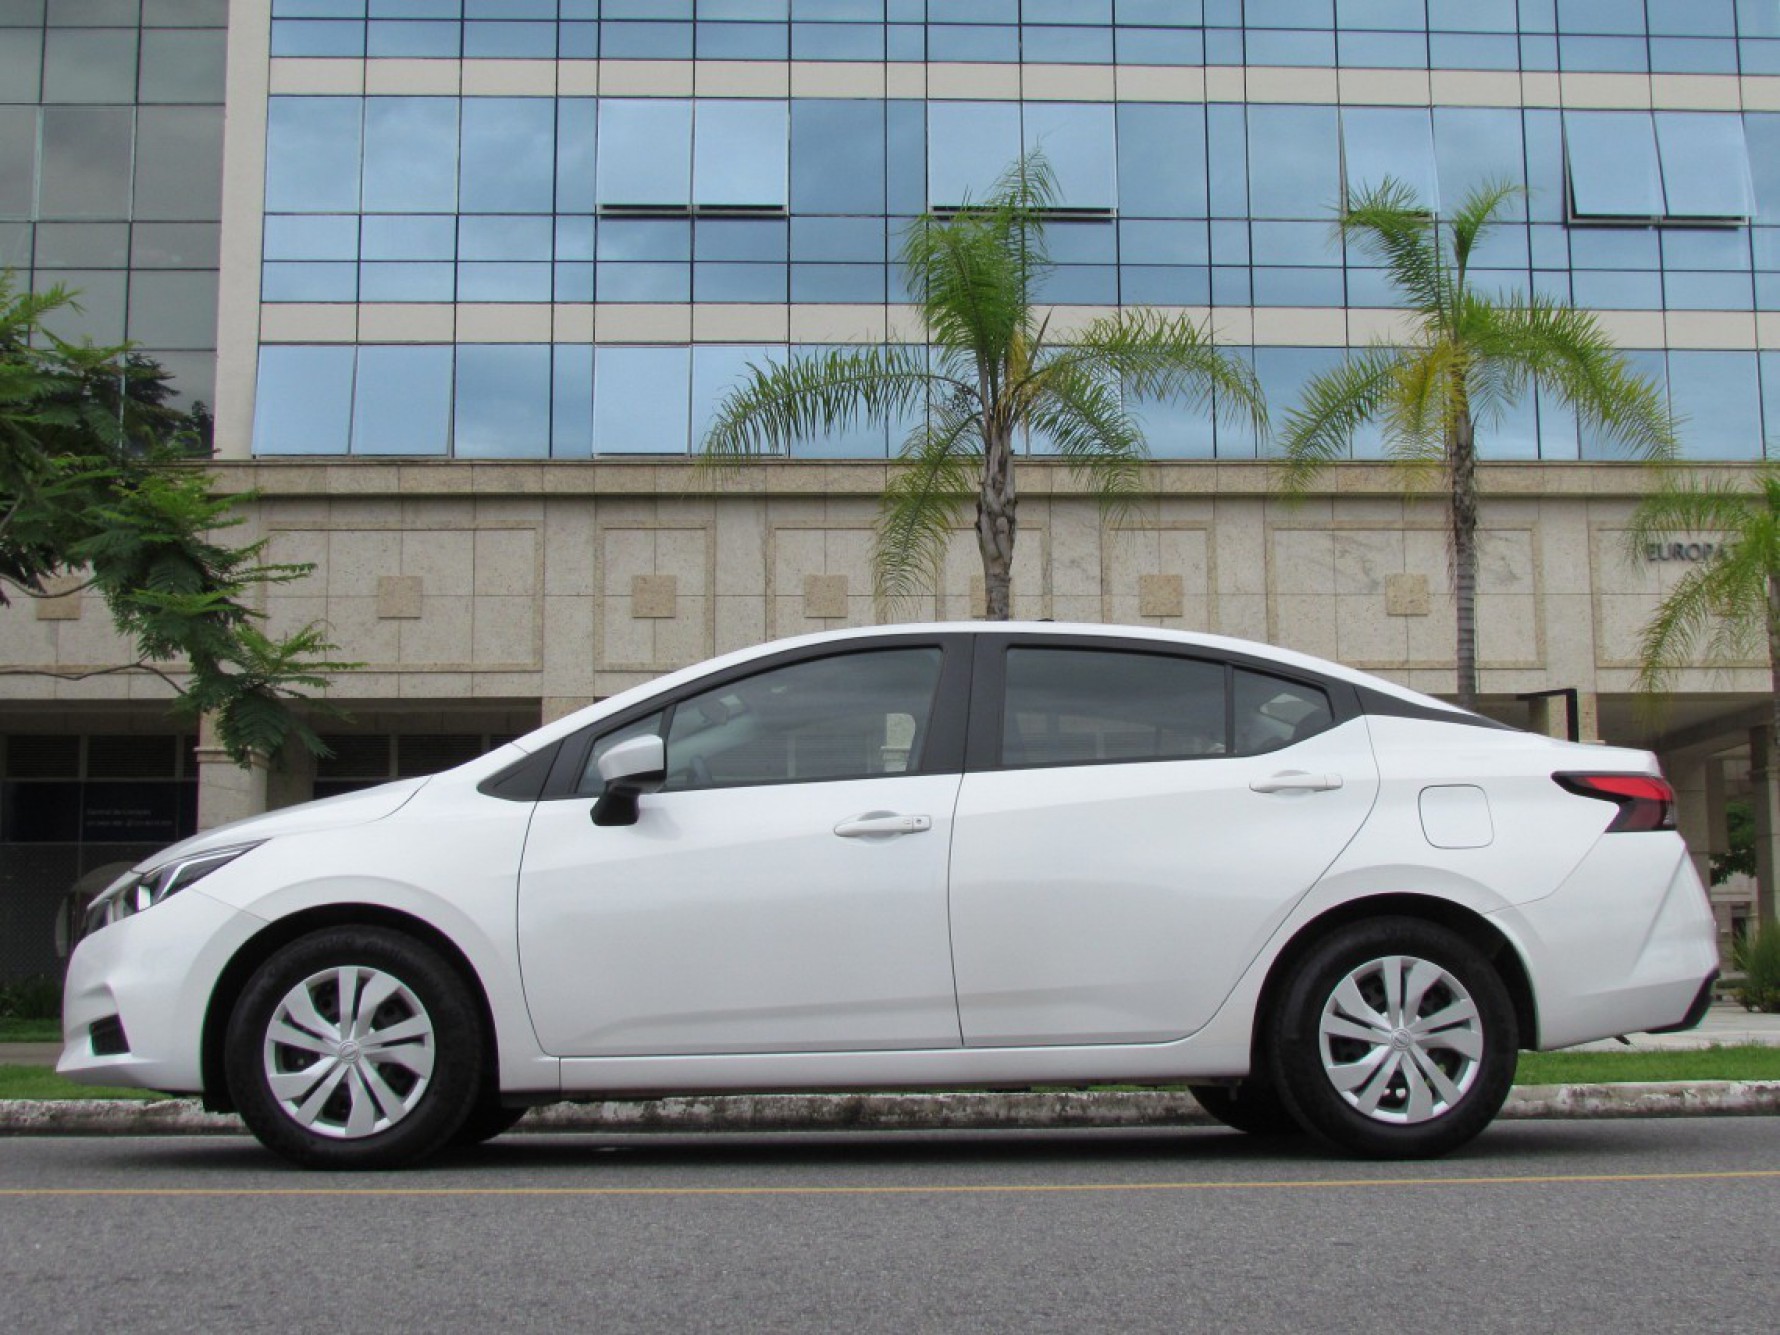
{"x": 938, "y": 1189}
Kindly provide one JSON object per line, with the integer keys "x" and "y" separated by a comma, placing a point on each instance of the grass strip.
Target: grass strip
{"x": 30, "y": 1031}
{"x": 41, "y": 1082}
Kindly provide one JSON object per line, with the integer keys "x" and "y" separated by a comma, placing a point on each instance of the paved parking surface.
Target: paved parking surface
{"x": 1621, "y": 1226}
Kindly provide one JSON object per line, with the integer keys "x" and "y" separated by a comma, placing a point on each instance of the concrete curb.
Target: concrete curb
{"x": 1112, "y": 1110}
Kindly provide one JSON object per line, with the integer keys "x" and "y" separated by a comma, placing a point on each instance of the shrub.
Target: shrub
{"x": 1757, "y": 956}
{"x": 37, "y": 998}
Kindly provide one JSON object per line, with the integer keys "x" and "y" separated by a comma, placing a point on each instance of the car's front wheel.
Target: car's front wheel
{"x": 1394, "y": 1039}
{"x": 354, "y": 1048}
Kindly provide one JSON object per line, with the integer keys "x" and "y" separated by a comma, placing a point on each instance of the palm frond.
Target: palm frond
{"x": 1084, "y": 415}
{"x": 780, "y": 404}
{"x": 1476, "y": 213}
{"x": 1386, "y": 222}
{"x": 1320, "y": 429}
{"x": 923, "y": 499}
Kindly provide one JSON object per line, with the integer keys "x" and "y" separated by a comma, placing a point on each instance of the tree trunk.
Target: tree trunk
{"x": 996, "y": 503}
{"x": 1462, "y": 469}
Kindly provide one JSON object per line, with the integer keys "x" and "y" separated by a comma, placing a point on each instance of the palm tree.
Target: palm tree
{"x": 993, "y": 378}
{"x": 1470, "y": 356}
{"x": 1728, "y": 605}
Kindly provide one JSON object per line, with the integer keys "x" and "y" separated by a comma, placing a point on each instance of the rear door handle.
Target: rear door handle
{"x": 882, "y": 823}
{"x": 1296, "y": 781}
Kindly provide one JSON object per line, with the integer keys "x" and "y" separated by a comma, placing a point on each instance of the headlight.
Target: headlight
{"x": 138, "y": 891}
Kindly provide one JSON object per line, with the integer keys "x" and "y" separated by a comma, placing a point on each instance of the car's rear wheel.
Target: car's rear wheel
{"x": 1394, "y": 1039}
{"x": 355, "y": 1048}
{"x": 1253, "y": 1106}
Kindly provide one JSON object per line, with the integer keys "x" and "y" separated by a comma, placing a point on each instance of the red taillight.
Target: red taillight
{"x": 1644, "y": 802}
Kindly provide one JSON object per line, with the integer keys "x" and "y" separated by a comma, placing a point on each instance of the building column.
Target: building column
{"x": 1764, "y": 797}
{"x": 1693, "y": 809}
{"x": 226, "y": 791}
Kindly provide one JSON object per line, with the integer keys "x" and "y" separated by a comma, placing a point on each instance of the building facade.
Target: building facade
{"x": 464, "y": 279}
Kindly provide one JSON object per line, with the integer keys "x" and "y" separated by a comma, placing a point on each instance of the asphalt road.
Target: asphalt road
{"x": 1575, "y": 1226}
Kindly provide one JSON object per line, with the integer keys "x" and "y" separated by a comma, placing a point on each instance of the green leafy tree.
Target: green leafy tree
{"x": 1469, "y": 356}
{"x": 993, "y": 379}
{"x": 97, "y": 480}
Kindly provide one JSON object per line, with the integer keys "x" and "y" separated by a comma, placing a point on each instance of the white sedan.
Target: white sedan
{"x": 929, "y": 856}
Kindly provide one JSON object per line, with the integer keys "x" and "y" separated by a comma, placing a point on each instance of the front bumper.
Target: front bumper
{"x": 136, "y": 994}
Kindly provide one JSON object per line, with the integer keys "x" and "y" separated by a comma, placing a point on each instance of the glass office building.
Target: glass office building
{"x": 464, "y": 280}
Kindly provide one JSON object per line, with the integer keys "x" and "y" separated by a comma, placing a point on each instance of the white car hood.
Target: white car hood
{"x": 330, "y": 813}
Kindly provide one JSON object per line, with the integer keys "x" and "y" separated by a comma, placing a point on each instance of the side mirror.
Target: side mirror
{"x": 629, "y": 770}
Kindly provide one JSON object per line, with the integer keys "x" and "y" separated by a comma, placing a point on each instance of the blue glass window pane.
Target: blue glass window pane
{"x": 308, "y": 282}
{"x": 1603, "y": 16}
{"x": 1758, "y": 18}
{"x": 1161, "y": 161}
{"x": 1298, "y": 287}
{"x": 572, "y": 282}
{"x": 1284, "y": 372}
{"x": 1716, "y": 397}
{"x": 850, "y": 11}
{"x": 1770, "y": 390}
{"x": 964, "y": 11}
{"x": 1721, "y": 248}
{"x": 1672, "y": 55}
{"x": 740, "y": 239}
{"x": 410, "y": 154}
{"x": 994, "y": 45}
{"x": 905, "y": 41}
{"x": 970, "y": 144}
{"x": 312, "y": 154}
{"x": 576, "y": 135}
{"x": 1160, "y": 13}
{"x": 1617, "y": 290}
{"x": 303, "y": 404}
{"x": 509, "y": 155}
{"x": 510, "y": 41}
{"x": 571, "y": 401}
{"x": 394, "y": 38}
{"x": 646, "y": 41}
{"x": 1295, "y": 243}
{"x": 1472, "y": 51}
{"x": 503, "y": 401}
{"x": 745, "y": 9}
{"x": 855, "y": 440}
{"x": 1315, "y": 49}
{"x": 504, "y": 238}
{"x": 414, "y": 9}
{"x": 1160, "y": 285}
{"x": 1230, "y": 286}
{"x": 510, "y": 9}
{"x": 1077, "y": 140}
{"x": 837, "y": 156}
{"x": 381, "y": 281}
{"x": 1163, "y": 242}
{"x": 1227, "y": 160}
{"x": 857, "y": 240}
{"x": 837, "y": 283}
{"x": 905, "y": 157}
{"x": 645, "y": 152}
{"x": 1615, "y": 248}
{"x": 1066, "y": 46}
{"x": 324, "y": 37}
{"x": 837, "y": 41}
{"x": 1705, "y": 165}
{"x": 1510, "y": 431}
{"x": 1402, "y": 15}
{"x": 1371, "y": 288}
{"x": 739, "y": 154}
{"x": 311, "y": 237}
{"x": 1294, "y": 162}
{"x": 1471, "y": 15}
{"x": 1692, "y": 18}
{"x": 641, "y": 400}
{"x": 1502, "y": 247}
{"x": 1066, "y": 11}
{"x": 1685, "y": 290}
{"x": 1548, "y": 198}
{"x": 1763, "y": 133}
{"x": 1394, "y": 142}
{"x": 578, "y": 41}
{"x": 1223, "y": 47}
{"x": 719, "y": 369}
{"x": 741, "y": 41}
{"x": 1383, "y": 50}
{"x": 1080, "y": 285}
{"x": 645, "y": 239}
{"x": 1082, "y": 242}
{"x": 1161, "y": 46}
{"x": 1613, "y": 164}
{"x": 643, "y": 282}
{"x": 1474, "y": 146}
{"x": 284, "y": 8}
{"x": 646, "y": 9}
{"x": 402, "y": 400}
{"x": 1289, "y": 13}
{"x": 740, "y": 282}
{"x": 1604, "y": 55}
{"x": 421, "y": 237}
{"x": 1229, "y": 242}
{"x": 1175, "y": 428}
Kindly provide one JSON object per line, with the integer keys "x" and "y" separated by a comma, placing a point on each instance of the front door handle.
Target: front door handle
{"x": 882, "y": 823}
{"x": 1297, "y": 781}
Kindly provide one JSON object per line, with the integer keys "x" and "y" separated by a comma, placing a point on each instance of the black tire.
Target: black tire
{"x": 398, "y": 1100}
{"x": 1253, "y": 1106}
{"x": 1413, "y": 1115}
{"x": 487, "y": 1120}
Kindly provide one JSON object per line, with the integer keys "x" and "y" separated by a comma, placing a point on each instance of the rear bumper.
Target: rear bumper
{"x": 1695, "y": 1013}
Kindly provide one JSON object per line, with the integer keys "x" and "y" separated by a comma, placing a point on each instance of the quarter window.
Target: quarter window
{"x": 1271, "y": 712}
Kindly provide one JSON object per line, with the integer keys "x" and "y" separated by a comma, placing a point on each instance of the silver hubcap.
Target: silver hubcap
{"x": 1401, "y": 1039}
{"x": 349, "y": 1052}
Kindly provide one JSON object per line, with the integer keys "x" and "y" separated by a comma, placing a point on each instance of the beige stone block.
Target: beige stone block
{"x": 825, "y": 596}
{"x": 1160, "y": 596}
{"x": 1406, "y": 595}
{"x": 1223, "y": 83}
{"x": 976, "y": 83}
{"x": 1067, "y": 83}
{"x": 1244, "y": 616}
{"x": 1507, "y": 631}
{"x": 1728, "y": 330}
{"x": 796, "y": 552}
{"x": 1366, "y": 326}
{"x": 577, "y": 78}
{"x": 441, "y": 636}
{"x": 1761, "y": 92}
{"x": 625, "y": 640}
{"x": 742, "y": 78}
{"x": 1694, "y": 92}
{"x": 568, "y": 551}
{"x": 302, "y": 74}
{"x": 1767, "y": 330}
{"x": 1629, "y": 92}
{"x": 1505, "y": 562}
{"x": 1367, "y": 635}
{"x": 901, "y": 80}
{"x": 503, "y": 322}
{"x": 1474, "y": 88}
{"x": 357, "y": 560}
{"x": 1365, "y": 559}
{"x": 628, "y": 552}
{"x": 1540, "y": 88}
{"x": 835, "y": 78}
{"x": 1291, "y": 326}
{"x": 568, "y": 646}
{"x": 1233, "y": 326}
{"x": 1271, "y": 83}
{"x": 438, "y": 686}
{"x": 362, "y": 632}
{"x": 615, "y": 322}
{"x": 903, "y": 324}
{"x": 687, "y": 638}
{"x": 1303, "y": 562}
{"x": 445, "y": 559}
{"x": 837, "y": 324}
{"x": 304, "y": 322}
{"x": 741, "y": 552}
{"x": 1076, "y": 538}
{"x": 62, "y": 600}
{"x": 1069, "y": 320}
{"x": 653, "y": 596}
{"x": 740, "y": 623}
{"x": 1383, "y": 87}
{"x": 505, "y": 631}
{"x": 1635, "y": 329}
{"x": 1305, "y": 623}
{"x": 506, "y": 562}
{"x": 399, "y": 596}
{"x": 1167, "y": 83}
{"x": 421, "y": 322}
{"x": 554, "y": 707}
{"x": 645, "y": 78}
{"x": 509, "y": 78}
{"x": 571, "y": 322}
{"x": 414, "y": 78}
{"x": 1432, "y": 638}
{"x": 685, "y": 554}
{"x": 724, "y": 323}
